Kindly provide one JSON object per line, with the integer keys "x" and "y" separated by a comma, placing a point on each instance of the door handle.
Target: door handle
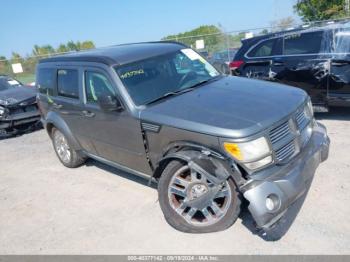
{"x": 275, "y": 63}
{"x": 88, "y": 113}
{"x": 340, "y": 62}
{"x": 57, "y": 106}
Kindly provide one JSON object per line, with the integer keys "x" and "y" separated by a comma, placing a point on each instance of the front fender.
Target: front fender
{"x": 216, "y": 169}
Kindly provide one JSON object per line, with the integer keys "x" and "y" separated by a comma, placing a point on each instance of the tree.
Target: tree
{"x": 314, "y": 10}
{"x": 210, "y": 33}
{"x": 16, "y": 58}
{"x": 43, "y": 50}
{"x": 62, "y": 48}
{"x": 282, "y": 24}
{"x": 72, "y": 46}
{"x": 87, "y": 45}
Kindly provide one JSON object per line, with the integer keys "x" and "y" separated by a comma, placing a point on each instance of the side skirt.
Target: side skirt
{"x": 121, "y": 167}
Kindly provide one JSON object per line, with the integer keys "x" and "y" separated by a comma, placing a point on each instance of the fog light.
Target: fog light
{"x": 258, "y": 164}
{"x": 272, "y": 202}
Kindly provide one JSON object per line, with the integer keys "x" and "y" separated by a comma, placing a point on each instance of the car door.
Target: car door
{"x": 303, "y": 64}
{"x": 115, "y": 136}
{"x": 258, "y": 59}
{"x": 339, "y": 79}
{"x": 67, "y": 100}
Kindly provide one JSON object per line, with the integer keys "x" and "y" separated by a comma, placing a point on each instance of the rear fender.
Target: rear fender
{"x": 55, "y": 120}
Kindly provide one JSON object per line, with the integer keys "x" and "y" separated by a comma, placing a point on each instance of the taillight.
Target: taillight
{"x": 236, "y": 64}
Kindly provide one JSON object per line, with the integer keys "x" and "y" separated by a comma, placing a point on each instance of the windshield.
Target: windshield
{"x": 153, "y": 78}
{"x": 7, "y": 82}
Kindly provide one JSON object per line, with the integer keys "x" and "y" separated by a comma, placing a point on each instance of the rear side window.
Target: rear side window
{"x": 68, "y": 83}
{"x": 45, "y": 80}
{"x": 263, "y": 49}
{"x": 342, "y": 41}
{"x": 306, "y": 43}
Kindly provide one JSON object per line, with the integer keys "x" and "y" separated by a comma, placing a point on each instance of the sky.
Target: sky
{"x": 25, "y": 23}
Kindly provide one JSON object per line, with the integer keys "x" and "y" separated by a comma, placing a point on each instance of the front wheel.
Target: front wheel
{"x": 66, "y": 154}
{"x": 191, "y": 203}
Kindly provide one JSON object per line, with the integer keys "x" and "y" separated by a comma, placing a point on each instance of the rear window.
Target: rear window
{"x": 45, "y": 80}
{"x": 306, "y": 43}
{"x": 68, "y": 83}
{"x": 263, "y": 49}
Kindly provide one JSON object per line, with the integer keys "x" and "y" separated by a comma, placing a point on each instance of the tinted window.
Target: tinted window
{"x": 7, "y": 82}
{"x": 342, "y": 41}
{"x": 45, "y": 80}
{"x": 150, "y": 79}
{"x": 97, "y": 84}
{"x": 263, "y": 49}
{"x": 68, "y": 83}
{"x": 307, "y": 43}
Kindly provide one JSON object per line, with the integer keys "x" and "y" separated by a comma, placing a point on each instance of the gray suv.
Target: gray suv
{"x": 161, "y": 111}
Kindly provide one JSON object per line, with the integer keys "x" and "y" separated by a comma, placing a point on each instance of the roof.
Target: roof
{"x": 326, "y": 25}
{"x": 119, "y": 54}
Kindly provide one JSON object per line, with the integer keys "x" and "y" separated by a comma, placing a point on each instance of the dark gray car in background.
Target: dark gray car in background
{"x": 161, "y": 111}
{"x": 18, "y": 107}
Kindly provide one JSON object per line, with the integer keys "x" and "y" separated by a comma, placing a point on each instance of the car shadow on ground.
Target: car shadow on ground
{"x": 335, "y": 113}
{"x": 245, "y": 216}
{"x": 121, "y": 173}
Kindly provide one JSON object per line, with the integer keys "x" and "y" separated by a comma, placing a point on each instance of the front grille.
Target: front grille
{"x": 23, "y": 109}
{"x": 285, "y": 137}
{"x": 279, "y": 132}
{"x": 285, "y": 152}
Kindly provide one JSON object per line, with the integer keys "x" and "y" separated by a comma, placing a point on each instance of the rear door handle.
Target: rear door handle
{"x": 277, "y": 63}
{"x": 88, "y": 113}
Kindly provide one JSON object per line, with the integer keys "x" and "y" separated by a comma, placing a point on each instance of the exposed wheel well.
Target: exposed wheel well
{"x": 238, "y": 177}
{"x": 49, "y": 128}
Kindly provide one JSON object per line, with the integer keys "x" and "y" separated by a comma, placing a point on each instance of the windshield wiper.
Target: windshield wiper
{"x": 181, "y": 91}
{"x": 205, "y": 81}
{"x": 169, "y": 94}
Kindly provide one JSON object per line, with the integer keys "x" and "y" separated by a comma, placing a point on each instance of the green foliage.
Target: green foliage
{"x": 314, "y": 10}
{"x": 211, "y": 34}
{"x": 29, "y": 62}
{"x": 282, "y": 24}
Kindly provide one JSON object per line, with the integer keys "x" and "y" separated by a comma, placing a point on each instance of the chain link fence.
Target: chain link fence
{"x": 218, "y": 48}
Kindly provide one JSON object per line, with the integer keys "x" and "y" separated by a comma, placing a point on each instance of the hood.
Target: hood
{"x": 16, "y": 95}
{"x": 232, "y": 107}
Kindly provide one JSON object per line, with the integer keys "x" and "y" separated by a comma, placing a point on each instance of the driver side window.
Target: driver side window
{"x": 96, "y": 84}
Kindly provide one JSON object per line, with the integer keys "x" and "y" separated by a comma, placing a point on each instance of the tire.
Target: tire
{"x": 178, "y": 221}
{"x": 74, "y": 159}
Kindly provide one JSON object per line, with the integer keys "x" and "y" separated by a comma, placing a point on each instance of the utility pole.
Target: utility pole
{"x": 347, "y": 8}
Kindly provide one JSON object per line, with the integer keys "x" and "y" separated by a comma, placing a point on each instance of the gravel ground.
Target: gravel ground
{"x": 46, "y": 208}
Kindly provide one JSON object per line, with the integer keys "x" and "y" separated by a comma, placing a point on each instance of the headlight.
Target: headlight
{"x": 253, "y": 154}
{"x": 2, "y": 111}
{"x": 310, "y": 108}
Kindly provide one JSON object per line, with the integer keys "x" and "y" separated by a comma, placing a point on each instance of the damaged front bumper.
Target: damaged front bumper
{"x": 271, "y": 196}
{"x": 13, "y": 121}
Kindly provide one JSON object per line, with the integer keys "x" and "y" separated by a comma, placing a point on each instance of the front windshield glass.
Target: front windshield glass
{"x": 155, "y": 77}
{"x": 7, "y": 82}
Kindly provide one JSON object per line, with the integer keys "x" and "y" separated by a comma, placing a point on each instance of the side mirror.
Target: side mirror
{"x": 109, "y": 103}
